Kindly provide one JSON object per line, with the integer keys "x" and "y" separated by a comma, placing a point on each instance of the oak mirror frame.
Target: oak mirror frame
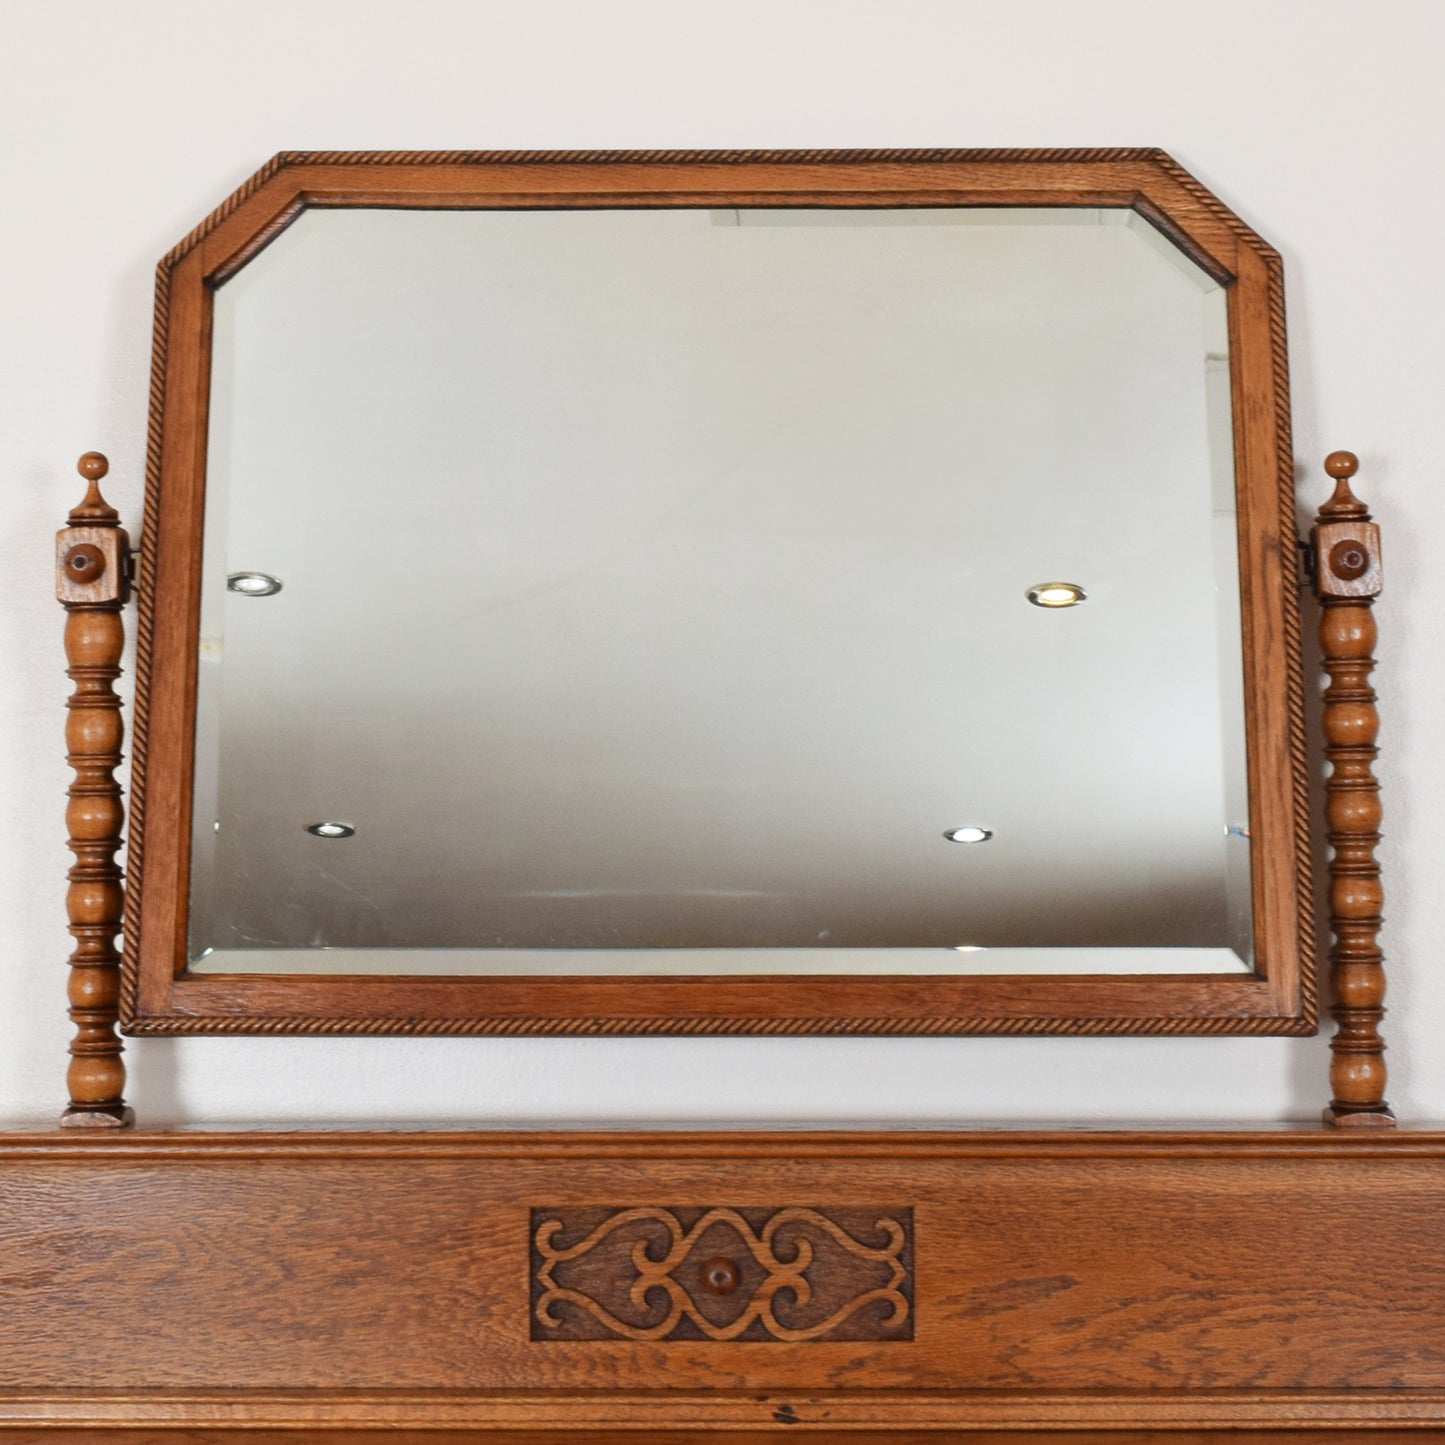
{"x": 161, "y": 993}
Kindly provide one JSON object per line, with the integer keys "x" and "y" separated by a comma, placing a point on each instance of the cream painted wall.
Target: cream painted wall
{"x": 124, "y": 123}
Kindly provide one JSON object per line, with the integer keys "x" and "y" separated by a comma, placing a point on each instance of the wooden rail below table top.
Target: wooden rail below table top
{"x": 1426, "y": 1140}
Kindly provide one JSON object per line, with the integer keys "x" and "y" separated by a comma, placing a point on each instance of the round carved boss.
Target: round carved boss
{"x": 1349, "y": 559}
{"x": 720, "y": 1276}
{"x": 84, "y": 562}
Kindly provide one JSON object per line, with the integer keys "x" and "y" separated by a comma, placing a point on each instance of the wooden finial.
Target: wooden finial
{"x": 1342, "y": 466}
{"x": 94, "y": 511}
{"x": 1347, "y": 578}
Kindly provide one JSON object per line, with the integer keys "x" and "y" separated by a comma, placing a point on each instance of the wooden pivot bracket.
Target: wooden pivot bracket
{"x": 92, "y": 560}
{"x": 1346, "y": 548}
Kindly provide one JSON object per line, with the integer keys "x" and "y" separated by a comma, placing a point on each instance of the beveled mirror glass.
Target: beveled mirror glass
{"x": 763, "y": 592}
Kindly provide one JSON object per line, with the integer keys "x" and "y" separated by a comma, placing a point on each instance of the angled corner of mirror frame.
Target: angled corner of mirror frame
{"x": 720, "y": 592}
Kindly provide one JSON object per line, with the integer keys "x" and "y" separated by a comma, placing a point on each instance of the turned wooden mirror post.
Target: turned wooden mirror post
{"x": 92, "y": 557}
{"x": 1346, "y": 547}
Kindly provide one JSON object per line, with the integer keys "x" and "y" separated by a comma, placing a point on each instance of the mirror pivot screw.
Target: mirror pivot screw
{"x": 85, "y": 562}
{"x": 1349, "y": 560}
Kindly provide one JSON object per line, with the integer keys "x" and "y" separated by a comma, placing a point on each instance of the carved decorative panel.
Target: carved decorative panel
{"x": 717, "y": 1273}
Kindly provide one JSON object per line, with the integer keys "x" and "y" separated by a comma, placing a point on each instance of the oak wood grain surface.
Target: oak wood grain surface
{"x": 101, "y": 1435}
{"x": 373, "y": 1280}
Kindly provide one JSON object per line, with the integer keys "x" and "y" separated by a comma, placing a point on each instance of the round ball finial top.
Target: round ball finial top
{"x": 94, "y": 511}
{"x": 1342, "y": 464}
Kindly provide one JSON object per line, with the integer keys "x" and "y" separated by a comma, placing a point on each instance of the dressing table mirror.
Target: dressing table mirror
{"x": 786, "y": 594}
{"x": 782, "y": 593}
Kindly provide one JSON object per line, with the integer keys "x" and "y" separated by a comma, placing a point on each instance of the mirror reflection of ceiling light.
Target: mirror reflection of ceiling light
{"x": 972, "y": 833}
{"x": 1056, "y": 594}
{"x": 253, "y": 584}
{"x": 330, "y": 830}
{"x": 968, "y": 948}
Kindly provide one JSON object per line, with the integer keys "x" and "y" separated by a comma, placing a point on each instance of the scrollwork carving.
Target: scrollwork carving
{"x": 723, "y": 1274}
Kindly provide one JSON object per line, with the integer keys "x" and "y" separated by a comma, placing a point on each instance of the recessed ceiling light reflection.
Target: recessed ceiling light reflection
{"x": 971, "y": 833}
{"x": 330, "y": 830}
{"x": 1057, "y": 594}
{"x": 253, "y": 584}
{"x": 968, "y": 948}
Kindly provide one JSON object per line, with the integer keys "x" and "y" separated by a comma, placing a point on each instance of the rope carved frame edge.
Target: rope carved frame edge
{"x": 1293, "y": 626}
